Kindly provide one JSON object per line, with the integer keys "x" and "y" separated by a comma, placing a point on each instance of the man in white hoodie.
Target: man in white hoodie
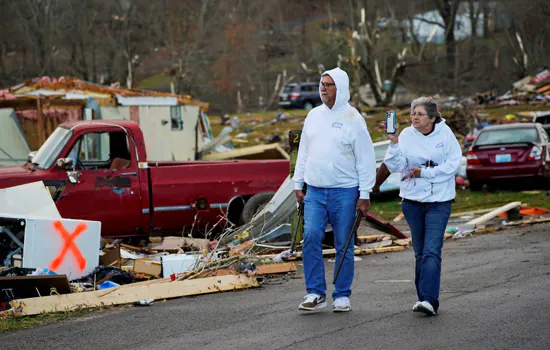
{"x": 427, "y": 155}
{"x": 336, "y": 161}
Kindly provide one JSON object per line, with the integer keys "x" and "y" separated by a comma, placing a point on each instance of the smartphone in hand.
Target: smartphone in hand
{"x": 391, "y": 122}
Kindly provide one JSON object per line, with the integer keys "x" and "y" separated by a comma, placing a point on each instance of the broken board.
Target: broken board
{"x": 493, "y": 214}
{"x": 330, "y": 252}
{"x": 380, "y": 244}
{"x": 132, "y": 293}
{"x": 275, "y": 268}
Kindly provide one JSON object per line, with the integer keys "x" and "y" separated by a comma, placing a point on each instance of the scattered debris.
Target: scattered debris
{"x": 494, "y": 213}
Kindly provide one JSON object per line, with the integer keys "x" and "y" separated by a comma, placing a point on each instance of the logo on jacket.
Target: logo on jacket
{"x": 337, "y": 125}
{"x": 439, "y": 145}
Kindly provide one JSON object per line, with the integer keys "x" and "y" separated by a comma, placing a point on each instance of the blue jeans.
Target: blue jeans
{"x": 427, "y": 222}
{"x": 337, "y": 206}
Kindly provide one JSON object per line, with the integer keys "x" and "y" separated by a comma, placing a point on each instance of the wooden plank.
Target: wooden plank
{"x": 493, "y": 213}
{"x": 372, "y": 238}
{"x": 399, "y": 217}
{"x": 218, "y": 272}
{"x": 132, "y": 293}
{"x": 275, "y": 268}
{"x": 269, "y": 151}
{"x": 528, "y": 221}
{"x": 41, "y": 126}
{"x": 472, "y": 212}
{"x": 376, "y": 244}
{"x": 403, "y": 242}
{"x": 331, "y": 252}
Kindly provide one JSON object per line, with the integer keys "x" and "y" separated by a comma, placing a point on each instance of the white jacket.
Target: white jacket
{"x": 414, "y": 150}
{"x": 336, "y": 150}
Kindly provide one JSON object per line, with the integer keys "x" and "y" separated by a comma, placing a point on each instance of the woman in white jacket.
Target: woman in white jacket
{"x": 427, "y": 155}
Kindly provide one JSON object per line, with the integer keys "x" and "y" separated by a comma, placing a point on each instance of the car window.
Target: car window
{"x": 502, "y": 136}
{"x": 380, "y": 152}
{"x": 306, "y": 88}
{"x": 91, "y": 147}
{"x": 289, "y": 88}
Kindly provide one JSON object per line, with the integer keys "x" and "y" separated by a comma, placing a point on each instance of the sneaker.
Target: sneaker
{"x": 415, "y": 307}
{"x": 341, "y": 304}
{"x": 313, "y": 302}
{"x": 426, "y": 308}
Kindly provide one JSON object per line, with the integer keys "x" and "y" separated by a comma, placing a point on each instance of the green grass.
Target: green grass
{"x": 259, "y": 134}
{"x": 389, "y": 208}
{"x": 154, "y": 81}
{"x": 17, "y": 323}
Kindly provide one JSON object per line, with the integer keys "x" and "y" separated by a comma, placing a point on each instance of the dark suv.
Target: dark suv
{"x": 300, "y": 95}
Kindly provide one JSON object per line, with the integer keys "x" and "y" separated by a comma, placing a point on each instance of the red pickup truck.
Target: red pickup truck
{"x": 98, "y": 170}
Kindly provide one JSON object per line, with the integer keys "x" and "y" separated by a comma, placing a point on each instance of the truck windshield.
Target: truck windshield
{"x": 47, "y": 154}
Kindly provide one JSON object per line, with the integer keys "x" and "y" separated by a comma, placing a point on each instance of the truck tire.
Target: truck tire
{"x": 254, "y": 205}
{"x": 308, "y": 105}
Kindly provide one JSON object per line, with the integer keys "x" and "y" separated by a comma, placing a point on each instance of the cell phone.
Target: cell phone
{"x": 391, "y": 122}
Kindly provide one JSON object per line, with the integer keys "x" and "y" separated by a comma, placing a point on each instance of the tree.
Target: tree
{"x": 365, "y": 49}
{"x": 39, "y": 26}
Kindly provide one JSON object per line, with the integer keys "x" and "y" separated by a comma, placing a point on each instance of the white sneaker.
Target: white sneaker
{"x": 313, "y": 302}
{"x": 415, "y": 307}
{"x": 341, "y": 304}
{"x": 426, "y": 308}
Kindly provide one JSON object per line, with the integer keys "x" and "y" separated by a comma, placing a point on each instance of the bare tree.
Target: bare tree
{"x": 40, "y": 28}
{"x": 364, "y": 52}
{"x": 447, "y": 10}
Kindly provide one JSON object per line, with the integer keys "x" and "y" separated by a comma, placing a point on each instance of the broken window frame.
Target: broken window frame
{"x": 176, "y": 118}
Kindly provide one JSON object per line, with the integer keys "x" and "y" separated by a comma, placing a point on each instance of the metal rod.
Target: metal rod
{"x": 358, "y": 215}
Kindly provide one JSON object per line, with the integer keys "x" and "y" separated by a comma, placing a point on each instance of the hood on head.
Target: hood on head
{"x": 341, "y": 80}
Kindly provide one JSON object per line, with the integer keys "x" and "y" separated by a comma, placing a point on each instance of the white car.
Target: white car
{"x": 393, "y": 181}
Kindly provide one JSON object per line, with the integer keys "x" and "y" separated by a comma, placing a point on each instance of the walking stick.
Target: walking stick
{"x": 298, "y": 224}
{"x": 358, "y": 215}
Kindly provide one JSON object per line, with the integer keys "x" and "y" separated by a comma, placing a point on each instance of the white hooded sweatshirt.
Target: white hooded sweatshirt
{"x": 336, "y": 150}
{"x": 414, "y": 150}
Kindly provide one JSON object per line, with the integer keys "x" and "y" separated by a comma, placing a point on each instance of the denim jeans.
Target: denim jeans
{"x": 427, "y": 222}
{"x": 337, "y": 206}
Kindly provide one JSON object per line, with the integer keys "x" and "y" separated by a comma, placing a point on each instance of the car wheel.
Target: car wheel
{"x": 256, "y": 203}
{"x": 475, "y": 186}
{"x": 308, "y": 105}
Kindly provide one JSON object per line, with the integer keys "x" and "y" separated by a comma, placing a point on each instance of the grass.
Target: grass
{"x": 389, "y": 208}
{"x": 263, "y": 131}
{"x": 18, "y": 323}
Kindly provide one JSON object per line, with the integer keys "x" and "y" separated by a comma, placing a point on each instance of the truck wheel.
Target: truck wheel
{"x": 308, "y": 105}
{"x": 254, "y": 205}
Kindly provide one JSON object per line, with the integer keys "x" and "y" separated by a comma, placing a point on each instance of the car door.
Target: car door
{"x": 105, "y": 184}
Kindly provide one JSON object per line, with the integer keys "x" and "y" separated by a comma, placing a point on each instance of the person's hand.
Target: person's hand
{"x": 299, "y": 196}
{"x": 416, "y": 172}
{"x": 394, "y": 138}
{"x": 363, "y": 205}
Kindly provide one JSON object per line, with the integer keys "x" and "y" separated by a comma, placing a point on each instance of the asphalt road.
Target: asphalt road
{"x": 495, "y": 294}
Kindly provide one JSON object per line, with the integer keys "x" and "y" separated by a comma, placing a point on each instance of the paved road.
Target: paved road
{"x": 495, "y": 295}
